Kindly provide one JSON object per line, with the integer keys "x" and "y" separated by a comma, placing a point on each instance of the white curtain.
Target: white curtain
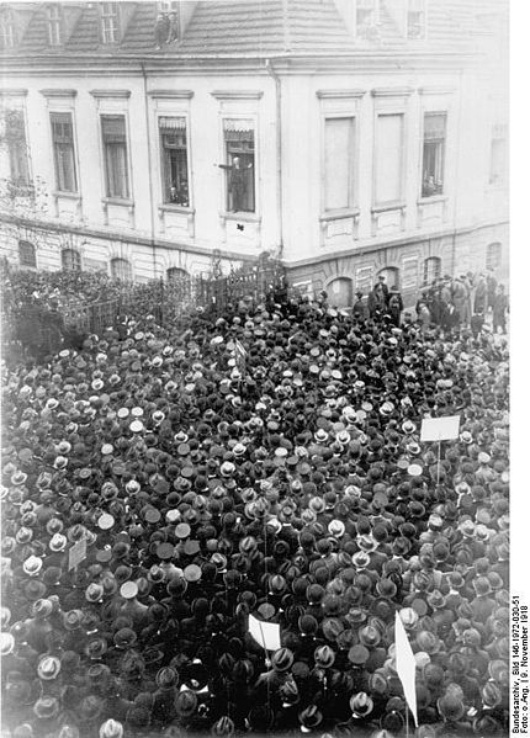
{"x": 389, "y": 158}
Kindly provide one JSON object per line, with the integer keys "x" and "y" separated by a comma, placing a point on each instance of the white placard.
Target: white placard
{"x": 440, "y": 429}
{"x": 266, "y": 634}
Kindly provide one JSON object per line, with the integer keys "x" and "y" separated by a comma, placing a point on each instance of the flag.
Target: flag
{"x": 266, "y": 634}
{"x": 406, "y": 667}
{"x": 240, "y": 354}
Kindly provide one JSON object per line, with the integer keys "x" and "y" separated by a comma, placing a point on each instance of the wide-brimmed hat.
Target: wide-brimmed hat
{"x": 361, "y": 705}
{"x": 451, "y": 707}
{"x": 49, "y": 667}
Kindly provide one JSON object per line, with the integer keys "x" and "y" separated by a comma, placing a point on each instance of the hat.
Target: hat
{"x": 361, "y": 705}
{"x": 282, "y": 659}
{"x": 451, "y": 707}
{"x": 49, "y": 667}
{"x": 111, "y": 729}
{"x": 185, "y": 703}
{"x": 310, "y": 718}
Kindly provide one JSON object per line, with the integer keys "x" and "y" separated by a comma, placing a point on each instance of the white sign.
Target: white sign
{"x": 440, "y": 429}
{"x": 266, "y": 634}
{"x": 77, "y": 554}
{"x": 406, "y": 667}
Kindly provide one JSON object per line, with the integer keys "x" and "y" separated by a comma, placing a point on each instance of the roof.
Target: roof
{"x": 239, "y": 29}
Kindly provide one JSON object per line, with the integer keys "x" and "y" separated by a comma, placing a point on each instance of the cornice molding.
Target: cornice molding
{"x": 339, "y": 94}
{"x": 111, "y": 94}
{"x": 237, "y": 94}
{"x": 14, "y": 92}
{"x": 436, "y": 90}
{"x": 171, "y": 94}
{"x": 392, "y": 91}
{"x": 58, "y": 93}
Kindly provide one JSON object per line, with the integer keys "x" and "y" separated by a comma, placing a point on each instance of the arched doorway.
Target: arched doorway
{"x": 340, "y": 292}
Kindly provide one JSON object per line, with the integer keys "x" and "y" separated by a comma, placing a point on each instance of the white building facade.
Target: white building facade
{"x": 348, "y": 138}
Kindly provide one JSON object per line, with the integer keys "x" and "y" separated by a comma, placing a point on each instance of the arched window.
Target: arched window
{"x": 432, "y": 269}
{"x": 121, "y": 269}
{"x": 391, "y": 275}
{"x": 340, "y": 292}
{"x": 71, "y": 260}
{"x": 494, "y": 256}
{"x": 27, "y": 255}
{"x": 175, "y": 274}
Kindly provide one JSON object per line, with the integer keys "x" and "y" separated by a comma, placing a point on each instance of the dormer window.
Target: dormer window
{"x": 365, "y": 17}
{"x": 7, "y": 29}
{"x": 53, "y": 13}
{"x": 416, "y": 19}
{"x": 110, "y": 26}
{"x": 168, "y": 23}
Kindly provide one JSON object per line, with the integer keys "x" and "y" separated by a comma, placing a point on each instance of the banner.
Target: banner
{"x": 266, "y": 634}
{"x": 440, "y": 429}
{"x": 77, "y": 554}
{"x": 406, "y": 667}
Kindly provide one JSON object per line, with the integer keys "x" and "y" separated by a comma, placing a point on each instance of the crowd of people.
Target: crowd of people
{"x": 160, "y": 486}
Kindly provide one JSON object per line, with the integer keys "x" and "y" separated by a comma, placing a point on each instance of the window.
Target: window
{"x": 494, "y": 256}
{"x": 109, "y": 23}
{"x": 433, "y": 154}
{"x": 499, "y": 155}
{"x": 71, "y": 260}
{"x": 416, "y": 19}
{"x": 121, "y": 269}
{"x": 239, "y": 167}
{"x": 389, "y": 158}
{"x": 63, "y": 152}
{"x": 365, "y": 17}
{"x": 391, "y": 275}
{"x": 432, "y": 269}
{"x": 115, "y": 156}
{"x": 338, "y": 164}
{"x": 173, "y": 145}
{"x": 7, "y": 29}
{"x": 340, "y": 292}
{"x": 53, "y": 13}
{"x": 26, "y": 254}
{"x": 174, "y": 274}
{"x": 15, "y": 135}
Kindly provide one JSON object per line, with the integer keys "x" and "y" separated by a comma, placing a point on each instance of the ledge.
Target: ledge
{"x": 386, "y": 207}
{"x": 436, "y": 90}
{"x": 168, "y": 207}
{"x": 172, "y": 94}
{"x": 339, "y": 94}
{"x": 243, "y": 217}
{"x": 123, "y": 202}
{"x": 433, "y": 199}
{"x": 112, "y": 94}
{"x": 340, "y": 215}
{"x": 67, "y": 195}
{"x": 58, "y": 93}
{"x": 237, "y": 94}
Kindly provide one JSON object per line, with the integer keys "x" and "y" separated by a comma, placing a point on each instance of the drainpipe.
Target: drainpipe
{"x": 150, "y": 169}
{"x": 279, "y": 189}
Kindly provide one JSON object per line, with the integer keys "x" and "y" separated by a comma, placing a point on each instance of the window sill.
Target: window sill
{"x": 340, "y": 214}
{"x": 125, "y": 203}
{"x": 168, "y": 207}
{"x": 386, "y": 207}
{"x": 67, "y": 195}
{"x": 244, "y": 217}
{"x": 432, "y": 199}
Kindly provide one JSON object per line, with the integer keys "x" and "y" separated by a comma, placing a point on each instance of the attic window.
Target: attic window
{"x": 53, "y": 14}
{"x": 7, "y": 29}
{"x": 416, "y": 19}
{"x": 109, "y": 23}
{"x": 365, "y": 17}
{"x": 167, "y": 27}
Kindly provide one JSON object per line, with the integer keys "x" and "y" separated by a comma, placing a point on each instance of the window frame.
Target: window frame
{"x": 378, "y": 204}
{"x": 24, "y": 243}
{"x": 8, "y": 31}
{"x": 352, "y": 167}
{"x": 438, "y": 192}
{"x": 422, "y": 12}
{"x": 110, "y": 11}
{"x": 235, "y": 115}
{"x": 77, "y": 259}
{"x": 125, "y": 261}
{"x": 428, "y": 279}
{"x": 362, "y": 30}
{"x": 104, "y": 114}
{"x": 498, "y": 255}
{"x": 54, "y": 24}
{"x": 166, "y": 201}
{"x": 18, "y": 148}
{"x": 73, "y": 153}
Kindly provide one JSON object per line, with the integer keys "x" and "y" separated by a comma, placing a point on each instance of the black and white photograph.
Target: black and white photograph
{"x": 256, "y": 308}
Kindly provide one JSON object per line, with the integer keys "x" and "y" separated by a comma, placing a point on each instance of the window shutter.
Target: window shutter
{"x": 239, "y": 129}
{"x": 389, "y": 158}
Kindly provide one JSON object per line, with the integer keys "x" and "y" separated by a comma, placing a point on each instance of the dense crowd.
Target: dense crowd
{"x": 268, "y": 463}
